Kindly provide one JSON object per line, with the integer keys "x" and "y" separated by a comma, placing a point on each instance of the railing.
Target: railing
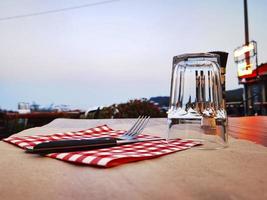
{"x": 13, "y": 122}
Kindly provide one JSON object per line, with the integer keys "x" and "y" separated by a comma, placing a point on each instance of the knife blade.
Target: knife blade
{"x": 81, "y": 145}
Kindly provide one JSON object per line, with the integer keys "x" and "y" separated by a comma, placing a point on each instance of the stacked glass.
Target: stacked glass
{"x": 197, "y": 110}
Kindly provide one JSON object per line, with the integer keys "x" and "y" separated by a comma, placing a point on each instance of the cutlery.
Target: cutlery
{"x": 88, "y": 144}
{"x": 82, "y": 145}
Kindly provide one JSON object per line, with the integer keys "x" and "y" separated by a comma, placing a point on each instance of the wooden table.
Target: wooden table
{"x": 249, "y": 128}
{"x": 237, "y": 172}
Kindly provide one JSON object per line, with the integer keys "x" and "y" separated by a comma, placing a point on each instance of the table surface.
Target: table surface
{"x": 249, "y": 128}
{"x": 237, "y": 172}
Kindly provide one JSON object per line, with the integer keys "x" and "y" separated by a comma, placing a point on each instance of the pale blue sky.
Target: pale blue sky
{"x": 114, "y": 52}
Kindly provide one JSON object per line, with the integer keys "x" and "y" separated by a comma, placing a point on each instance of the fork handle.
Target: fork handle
{"x": 73, "y": 145}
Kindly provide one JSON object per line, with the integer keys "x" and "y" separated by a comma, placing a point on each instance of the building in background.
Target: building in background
{"x": 251, "y": 75}
{"x": 255, "y": 84}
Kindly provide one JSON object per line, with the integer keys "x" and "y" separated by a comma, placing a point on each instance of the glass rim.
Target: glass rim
{"x": 187, "y": 56}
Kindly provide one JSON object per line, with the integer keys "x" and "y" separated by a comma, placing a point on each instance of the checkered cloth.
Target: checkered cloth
{"x": 106, "y": 157}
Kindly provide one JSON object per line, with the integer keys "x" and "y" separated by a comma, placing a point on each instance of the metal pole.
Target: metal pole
{"x": 246, "y": 90}
{"x": 246, "y": 22}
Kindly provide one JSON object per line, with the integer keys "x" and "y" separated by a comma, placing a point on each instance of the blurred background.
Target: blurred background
{"x": 78, "y": 57}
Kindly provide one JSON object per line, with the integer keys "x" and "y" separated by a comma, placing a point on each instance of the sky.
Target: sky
{"x": 117, "y": 51}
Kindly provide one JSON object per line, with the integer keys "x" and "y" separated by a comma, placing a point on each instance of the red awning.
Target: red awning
{"x": 262, "y": 70}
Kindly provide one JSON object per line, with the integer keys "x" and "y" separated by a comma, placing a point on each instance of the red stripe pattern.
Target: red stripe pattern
{"x": 106, "y": 157}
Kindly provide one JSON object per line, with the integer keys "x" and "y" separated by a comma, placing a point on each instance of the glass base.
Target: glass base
{"x": 209, "y": 145}
{"x": 212, "y": 136}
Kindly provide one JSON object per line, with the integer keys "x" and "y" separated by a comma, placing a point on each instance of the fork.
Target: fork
{"x": 136, "y": 128}
{"x": 89, "y": 144}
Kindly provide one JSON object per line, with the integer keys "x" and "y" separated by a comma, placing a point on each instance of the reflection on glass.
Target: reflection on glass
{"x": 196, "y": 106}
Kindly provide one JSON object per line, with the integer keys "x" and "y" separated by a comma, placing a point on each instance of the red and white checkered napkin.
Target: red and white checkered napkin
{"x": 106, "y": 157}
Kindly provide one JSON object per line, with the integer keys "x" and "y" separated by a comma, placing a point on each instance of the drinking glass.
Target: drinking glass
{"x": 196, "y": 110}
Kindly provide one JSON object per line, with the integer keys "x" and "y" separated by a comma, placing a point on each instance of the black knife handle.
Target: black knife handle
{"x": 73, "y": 145}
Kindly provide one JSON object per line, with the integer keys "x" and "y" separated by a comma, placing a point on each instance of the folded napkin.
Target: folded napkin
{"x": 106, "y": 157}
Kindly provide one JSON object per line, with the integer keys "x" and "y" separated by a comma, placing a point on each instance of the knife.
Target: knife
{"x": 81, "y": 145}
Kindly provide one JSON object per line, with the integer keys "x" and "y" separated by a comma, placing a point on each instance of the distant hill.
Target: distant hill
{"x": 231, "y": 96}
{"x": 162, "y": 101}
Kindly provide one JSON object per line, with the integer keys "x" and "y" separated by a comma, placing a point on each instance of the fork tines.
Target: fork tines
{"x": 138, "y": 127}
